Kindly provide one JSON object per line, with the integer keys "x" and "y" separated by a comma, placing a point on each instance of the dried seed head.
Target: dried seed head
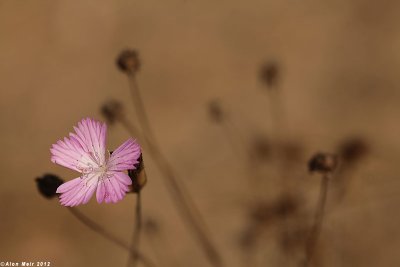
{"x": 138, "y": 176}
{"x": 48, "y": 184}
{"x": 269, "y": 74}
{"x": 323, "y": 163}
{"x": 128, "y": 61}
{"x": 352, "y": 150}
{"x": 112, "y": 110}
{"x": 215, "y": 111}
{"x": 284, "y": 206}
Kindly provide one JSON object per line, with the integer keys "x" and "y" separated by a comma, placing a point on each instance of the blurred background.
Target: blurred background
{"x": 331, "y": 78}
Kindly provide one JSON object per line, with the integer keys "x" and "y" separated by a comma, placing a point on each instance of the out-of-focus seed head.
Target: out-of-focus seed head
{"x": 112, "y": 110}
{"x": 248, "y": 238}
{"x": 282, "y": 207}
{"x": 295, "y": 238}
{"x": 269, "y": 74}
{"x": 352, "y": 150}
{"x": 291, "y": 151}
{"x": 260, "y": 148}
{"x": 48, "y": 184}
{"x": 138, "y": 176}
{"x": 323, "y": 163}
{"x": 151, "y": 226}
{"x": 215, "y": 111}
{"x": 128, "y": 61}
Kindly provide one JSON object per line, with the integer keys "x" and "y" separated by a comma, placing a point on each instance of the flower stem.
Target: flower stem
{"x": 133, "y": 257}
{"x": 179, "y": 193}
{"x": 109, "y": 236}
{"x": 318, "y": 221}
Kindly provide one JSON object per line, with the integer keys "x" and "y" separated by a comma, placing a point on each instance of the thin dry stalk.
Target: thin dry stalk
{"x": 179, "y": 193}
{"x": 109, "y": 236}
{"x": 318, "y": 221}
{"x": 133, "y": 257}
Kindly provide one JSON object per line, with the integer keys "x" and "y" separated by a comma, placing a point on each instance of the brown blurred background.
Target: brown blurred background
{"x": 338, "y": 67}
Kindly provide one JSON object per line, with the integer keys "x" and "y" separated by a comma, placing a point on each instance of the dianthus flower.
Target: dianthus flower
{"x": 84, "y": 151}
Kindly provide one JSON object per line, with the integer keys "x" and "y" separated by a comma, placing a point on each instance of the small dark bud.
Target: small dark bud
{"x": 138, "y": 176}
{"x": 48, "y": 185}
{"x": 323, "y": 162}
{"x": 269, "y": 74}
{"x": 215, "y": 111}
{"x": 128, "y": 61}
{"x": 352, "y": 150}
{"x": 112, "y": 110}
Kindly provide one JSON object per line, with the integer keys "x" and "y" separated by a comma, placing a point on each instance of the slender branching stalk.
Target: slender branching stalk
{"x": 182, "y": 198}
{"x": 318, "y": 220}
{"x": 133, "y": 257}
{"x": 110, "y": 237}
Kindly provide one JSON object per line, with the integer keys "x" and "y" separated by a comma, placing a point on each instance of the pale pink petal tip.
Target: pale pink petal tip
{"x": 76, "y": 192}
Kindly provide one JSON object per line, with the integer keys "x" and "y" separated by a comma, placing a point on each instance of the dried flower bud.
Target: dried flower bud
{"x": 323, "y": 162}
{"x": 138, "y": 176}
{"x": 353, "y": 150}
{"x": 269, "y": 74}
{"x": 128, "y": 61}
{"x": 48, "y": 185}
{"x": 215, "y": 111}
{"x": 112, "y": 110}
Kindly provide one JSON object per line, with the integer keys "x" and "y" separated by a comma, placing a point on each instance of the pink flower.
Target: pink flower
{"x": 85, "y": 152}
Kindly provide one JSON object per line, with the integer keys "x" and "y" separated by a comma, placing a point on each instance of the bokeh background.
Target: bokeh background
{"x": 338, "y": 65}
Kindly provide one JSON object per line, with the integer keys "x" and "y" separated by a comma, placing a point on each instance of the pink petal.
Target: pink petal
{"x": 83, "y": 149}
{"x": 77, "y": 191}
{"x": 123, "y": 178}
{"x": 111, "y": 188}
{"x": 125, "y": 156}
{"x": 67, "y": 186}
{"x": 101, "y": 192}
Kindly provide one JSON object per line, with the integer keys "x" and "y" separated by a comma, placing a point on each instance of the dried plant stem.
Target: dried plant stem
{"x": 109, "y": 236}
{"x": 133, "y": 257}
{"x": 179, "y": 193}
{"x": 318, "y": 221}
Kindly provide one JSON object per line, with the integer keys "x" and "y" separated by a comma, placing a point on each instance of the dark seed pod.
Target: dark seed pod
{"x": 323, "y": 162}
{"x": 48, "y": 184}
{"x": 128, "y": 61}
{"x": 138, "y": 176}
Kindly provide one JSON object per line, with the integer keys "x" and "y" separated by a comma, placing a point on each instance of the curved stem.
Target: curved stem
{"x": 133, "y": 257}
{"x": 109, "y": 236}
{"x": 182, "y": 198}
{"x": 318, "y": 221}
